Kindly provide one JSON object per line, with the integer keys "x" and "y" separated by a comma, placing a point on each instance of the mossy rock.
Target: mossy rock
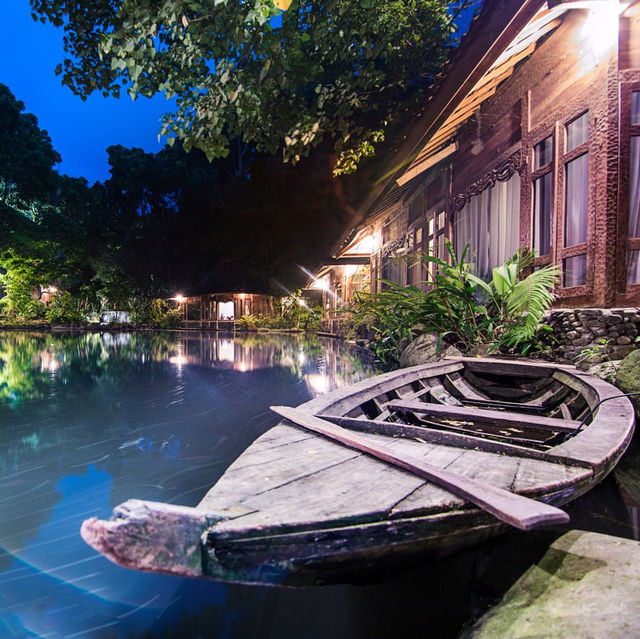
{"x": 628, "y": 378}
{"x": 586, "y": 585}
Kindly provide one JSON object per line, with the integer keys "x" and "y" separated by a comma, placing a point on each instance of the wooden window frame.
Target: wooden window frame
{"x": 624, "y": 242}
{"x": 549, "y": 167}
{"x": 563, "y": 252}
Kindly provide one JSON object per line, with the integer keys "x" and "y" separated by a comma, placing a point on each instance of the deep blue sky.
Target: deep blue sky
{"x": 81, "y": 131}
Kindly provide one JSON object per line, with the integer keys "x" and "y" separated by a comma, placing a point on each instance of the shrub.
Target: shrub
{"x": 464, "y": 309}
{"x": 66, "y": 309}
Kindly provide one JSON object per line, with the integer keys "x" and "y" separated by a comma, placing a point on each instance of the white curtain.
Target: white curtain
{"x": 490, "y": 223}
{"x": 504, "y": 221}
{"x": 577, "y": 174}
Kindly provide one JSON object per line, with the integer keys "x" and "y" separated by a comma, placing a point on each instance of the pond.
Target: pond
{"x": 90, "y": 420}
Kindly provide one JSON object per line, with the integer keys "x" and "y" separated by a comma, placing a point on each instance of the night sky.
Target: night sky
{"x": 81, "y": 131}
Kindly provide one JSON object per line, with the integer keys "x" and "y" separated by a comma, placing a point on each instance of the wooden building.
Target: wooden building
{"x": 220, "y": 311}
{"x": 531, "y": 137}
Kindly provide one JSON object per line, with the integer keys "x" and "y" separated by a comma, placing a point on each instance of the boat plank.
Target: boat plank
{"x": 538, "y": 478}
{"x": 515, "y": 368}
{"x": 359, "y": 489}
{"x": 486, "y": 416}
{"x": 440, "y": 394}
{"x": 487, "y": 468}
{"x": 463, "y": 388}
{"x": 266, "y": 469}
{"x": 348, "y": 398}
{"x": 443, "y": 437}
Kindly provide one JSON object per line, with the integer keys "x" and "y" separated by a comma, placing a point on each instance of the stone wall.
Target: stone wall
{"x": 575, "y": 330}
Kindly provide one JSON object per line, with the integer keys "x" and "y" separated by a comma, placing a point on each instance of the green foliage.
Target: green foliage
{"x": 461, "y": 307}
{"x": 596, "y": 353}
{"x": 253, "y": 322}
{"x": 21, "y": 281}
{"x": 295, "y": 312}
{"x": 66, "y": 309}
{"x": 521, "y": 301}
{"x": 342, "y": 70}
{"x": 154, "y": 312}
{"x": 27, "y": 156}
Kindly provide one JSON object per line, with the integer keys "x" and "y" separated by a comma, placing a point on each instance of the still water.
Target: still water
{"x": 88, "y": 421}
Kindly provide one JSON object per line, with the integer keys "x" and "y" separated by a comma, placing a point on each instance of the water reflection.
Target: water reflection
{"x": 90, "y": 420}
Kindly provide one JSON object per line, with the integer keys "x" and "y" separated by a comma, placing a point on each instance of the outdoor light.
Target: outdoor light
{"x": 321, "y": 284}
{"x": 179, "y": 298}
{"x": 351, "y": 270}
{"x": 600, "y": 29}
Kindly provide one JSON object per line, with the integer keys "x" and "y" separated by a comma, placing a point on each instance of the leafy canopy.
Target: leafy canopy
{"x": 340, "y": 69}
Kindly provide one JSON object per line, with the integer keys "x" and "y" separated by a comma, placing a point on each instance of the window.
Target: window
{"x": 435, "y": 234}
{"x": 633, "y": 254}
{"x": 574, "y": 271}
{"x": 543, "y": 195}
{"x": 574, "y": 165}
{"x": 577, "y": 132}
{"x": 490, "y": 223}
{"x": 576, "y": 200}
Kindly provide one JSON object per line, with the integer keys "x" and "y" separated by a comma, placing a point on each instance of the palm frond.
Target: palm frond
{"x": 529, "y": 299}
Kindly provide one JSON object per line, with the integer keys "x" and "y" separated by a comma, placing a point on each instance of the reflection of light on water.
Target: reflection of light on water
{"x": 318, "y": 383}
{"x": 178, "y": 360}
{"x": 301, "y": 359}
{"x": 226, "y": 350}
{"x": 48, "y": 361}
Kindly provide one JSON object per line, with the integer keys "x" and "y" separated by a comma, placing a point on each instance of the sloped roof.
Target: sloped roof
{"x": 491, "y": 35}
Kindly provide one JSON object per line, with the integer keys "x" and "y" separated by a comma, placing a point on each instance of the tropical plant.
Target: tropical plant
{"x": 463, "y": 309}
{"x": 595, "y": 353}
{"x": 519, "y": 301}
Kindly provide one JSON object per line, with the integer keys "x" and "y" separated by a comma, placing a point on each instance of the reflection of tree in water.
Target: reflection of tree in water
{"x": 160, "y": 425}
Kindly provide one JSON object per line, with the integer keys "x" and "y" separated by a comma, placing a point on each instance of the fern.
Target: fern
{"x": 526, "y": 303}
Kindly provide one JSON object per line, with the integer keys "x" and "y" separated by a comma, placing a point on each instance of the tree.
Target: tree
{"x": 342, "y": 69}
{"x": 27, "y": 156}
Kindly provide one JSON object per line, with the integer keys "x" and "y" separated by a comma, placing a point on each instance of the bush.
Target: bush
{"x": 163, "y": 315}
{"x": 465, "y": 310}
{"x": 65, "y": 309}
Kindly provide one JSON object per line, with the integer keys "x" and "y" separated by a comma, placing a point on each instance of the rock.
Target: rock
{"x": 620, "y": 352}
{"x": 606, "y": 371}
{"x": 623, "y": 340}
{"x": 586, "y": 585}
{"x": 424, "y": 350}
{"x": 628, "y": 379}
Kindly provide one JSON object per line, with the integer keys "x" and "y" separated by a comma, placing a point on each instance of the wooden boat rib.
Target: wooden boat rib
{"x": 297, "y": 508}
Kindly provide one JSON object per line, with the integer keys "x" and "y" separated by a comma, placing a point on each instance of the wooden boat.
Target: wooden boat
{"x": 300, "y": 508}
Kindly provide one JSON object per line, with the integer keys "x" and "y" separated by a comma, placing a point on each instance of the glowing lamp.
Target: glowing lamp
{"x": 600, "y": 29}
{"x": 181, "y": 299}
{"x": 351, "y": 270}
{"x": 321, "y": 284}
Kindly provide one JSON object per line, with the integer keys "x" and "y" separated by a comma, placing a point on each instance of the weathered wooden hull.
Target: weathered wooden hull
{"x": 298, "y": 509}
